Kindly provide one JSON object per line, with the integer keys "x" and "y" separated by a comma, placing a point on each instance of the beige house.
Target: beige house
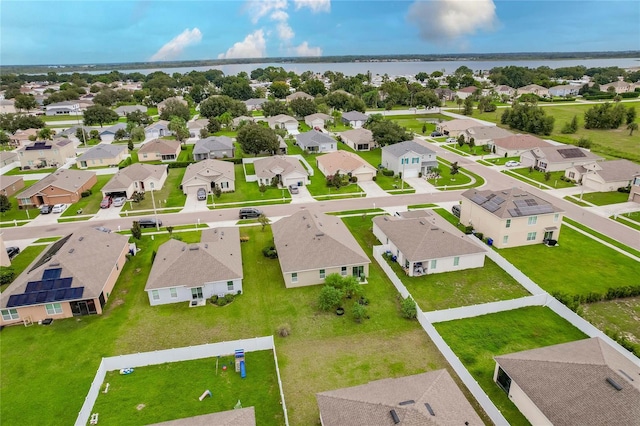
{"x": 465, "y": 92}
{"x": 422, "y": 247}
{"x": 66, "y": 280}
{"x": 46, "y": 153}
{"x": 360, "y": 139}
{"x": 286, "y": 170}
{"x": 533, "y": 89}
{"x": 634, "y": 195}
{"x": 619, "y": 87}
{"x": 485, "y": 135}
{"x": 136, "y": 178}
{"x": 556, "y": 158}
{"x": 209, "y": 174}
{"x": 431, "y": 398}
{"x": 345, "y": 163}
{"x": 515, "y": 145}
{"x": 318, "y": 120}
{"x": 159, "y": 150}
{"x": 505, "y": 90}
{"x": 238, "y": 417}
{"x": 8, "y": 157}
{"x": 299, "y": 95}
{"x": 453, "y": 128}
{"x": 604, "y": 176}
{"x": 313, "y": 245}
{"x": 102, "y": 155}
{"x": 64, "y": 186}
{"x": 282, "y": 121}
{"x": 23, "y": 137}
{"x": 586, "y": 382}
{"x": 511, "y": 217}
{"x": 9, "y": 185}
{"x": 4, "y": 256}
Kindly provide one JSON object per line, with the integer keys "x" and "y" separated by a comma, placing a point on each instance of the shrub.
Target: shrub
{"x": 229, "y": 297}
{"x": 214, "y": 299}
{"x": 354, "y": 179}
{"x": 625, "y": 189}
{"x": 375, "y": 178}
{"x": 180, "y": 164}
{"x": 86, "y": 193}
{"x": 270, "y": 252}
{"x": 468, "y": 229}
{"x": 409, "y": 308}
{"x": 479, "y": 235}
{"x": 387, "y": 172}
{"x": 330, "y": 298}
{"x": 7, "y": 274}
{"x": 221, "y": 301}
{"x": 124, "y": 163}
{"x": 284, "y": 330}
{"x": 359, "y": 312}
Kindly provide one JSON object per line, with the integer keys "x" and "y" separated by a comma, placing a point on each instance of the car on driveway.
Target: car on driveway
{"x": 106, "y": 203}
{"x": 452, "y": 140}
{"x": 436, "y": 134}
{"x": 59, "y": 208}
{"x": 46, "y": 209}
{"x": 119, "y": 201}
{"x": 202, "y": 194}
{"x": 294, "y": 189}
{"x": 512, "y": 163}
{"x": 13, "y": 252}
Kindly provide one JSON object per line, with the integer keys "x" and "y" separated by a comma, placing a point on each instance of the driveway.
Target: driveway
{"x": 421, "y": 185}
{"x": 194, "y": 205}
{"x": 303, "y": 196}
{"x": 108, "y": 213}
{"x": 372, "y": 189}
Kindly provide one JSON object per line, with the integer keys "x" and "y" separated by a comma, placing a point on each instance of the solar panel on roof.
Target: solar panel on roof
{"x": 491, "y": 206}
{"x": 50, "y": 274}
{"x": 63, "y": 283}
{"x": 51, "y": 252}
{"x": 498, "y": 200}
{"x": 520, "y": 203}
{"x": 571, "y": 153}
{"x": 513, "y": 212}
{"x": 478, "y": 199}
{"x": 38, "y": 297}
{"x": 531, "y": 202}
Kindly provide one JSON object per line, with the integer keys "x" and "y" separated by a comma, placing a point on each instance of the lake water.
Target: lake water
{"x": 396, "y": 68}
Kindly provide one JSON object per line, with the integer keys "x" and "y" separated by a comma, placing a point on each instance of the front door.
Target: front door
{"x": 548, "y": 235}
{"x": 196, "y": 293}
{"x": 358, "y": 271}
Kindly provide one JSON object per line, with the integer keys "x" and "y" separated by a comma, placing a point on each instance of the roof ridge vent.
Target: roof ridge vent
{"x": 394, "y": 416}
{"x": 407, "y": 402}
{"x": 194, "y": 247}
{"x": 71, "y": 250}
{"x": 614, "y": 384}
{"x": 81, "y": 238}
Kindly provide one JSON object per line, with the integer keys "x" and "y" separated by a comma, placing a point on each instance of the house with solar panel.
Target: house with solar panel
{"x": 67, "y": 279}
{"x": 511, "y": 217}
{"x": 557, "y": 158}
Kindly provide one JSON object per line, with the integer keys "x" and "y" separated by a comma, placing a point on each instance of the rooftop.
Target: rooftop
{"x": 510, "y": 203}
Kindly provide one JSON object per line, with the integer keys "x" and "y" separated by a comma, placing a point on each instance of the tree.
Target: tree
{"x": 263, "y": 220}
{"x": 302, "y": 107}
{"x": 137, "y": 134}
{"x": 45, "y": 133}
{"x": 606, "y": 116}
{"x": 422, "y": 76}
{"x": 179, "y": 127}
{"x": 571, "y": 127}
{"x": 4, "y": 138}
{"x": 459, "y": 101}
{"x": 204, "y": 133}
{"x": 460, "y": 140}
{"x": 386, "y": 132}
{"x": 262, "y": 188}
{"x": 139, "y": 117}
{"x": 329, "y": 298}
{"x": 7, "y": 275}
{"x": 175, "y": 108}
{"x": 120, "y": 134}
{"x": 136, "y": 230}
{"x": 408, "y": 308}
{"x": 468, "y": 106}
{"x": 130, "y": 145}
{"x": 424, "y": 129}
{"x": 279, "y": 89}
{"x": 26, "y": 102}
{"x": 82, "y": 135}
{"x": 427, "y": 98}
{"x": 359, "y": 312}
{"x": 214, "y": 125}
{"x": 254, "y": 139}
{"x": 631, "y": 127}
{"x": 94, "y": 134}
{"x": 5, "y": 204}
{"x": 631, "y": 115}
{"x": 98, "y": 114}
{"x": 215, "y": 106}
{"x": 454, "y": 169}
{"x": 472, "y": 144}
{"x": 529, "y": 118}
{"x": 273, "y": 108}
{"x": 314, "y": 87}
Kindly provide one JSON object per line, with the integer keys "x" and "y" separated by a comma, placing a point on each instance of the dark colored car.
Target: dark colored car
{"x": 456, "y": 211}
{"x": 247, "y": 212}
{"x": 436, "y": 134}
{"x": 46, "y": 209}
{"x": 13, "y": 252}
{"x": 149, "y": 223}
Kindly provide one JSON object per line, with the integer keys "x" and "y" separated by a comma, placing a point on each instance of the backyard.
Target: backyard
{"x": 621, "y": 316}
{"x": 14, "y": 213}
{"x": 90, "y": 204}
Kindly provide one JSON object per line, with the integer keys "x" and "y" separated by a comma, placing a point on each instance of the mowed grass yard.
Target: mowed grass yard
{"x": 170, "y": 195}
{"x": 605, "y": 198}
{"x": 537, "y": 176}
{"x": 477, "y": 340}
{"x": 617, "y": 316}
{"x": 578, "y": 265}
{"x": 249, "y": 191}
{"x": 90, "y": 204}
{"x": 323, "y": 352}
{"x": 14, "y": 213}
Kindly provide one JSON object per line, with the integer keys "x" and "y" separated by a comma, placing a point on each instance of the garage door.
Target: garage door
{"x": 411, "y": 173}
{"x": 192, "y": 190}
{"x": 364, "y": 177}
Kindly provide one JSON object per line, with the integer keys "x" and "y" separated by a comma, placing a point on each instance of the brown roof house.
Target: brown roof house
{"x": 9, "y": 185}
{"x": 136, "y": 177}
{"x": 46, "y": 153}
{"x": 421, "y": 247}
{"x": 299, "y": 95}
{"x": 515, "y": 145}
{"x": 22, "y": 137}
{"x": 533, "y": 89}
{"x": 586, "y": 382}
{"x": 286, "y": 170}
{"x": 239, "y": 417}
{"x": 159, "y": 150}
{"x": 485, "y": 135}
{"x": 209, "y": 174}
{"x": 313, "y": 245}
{"x": 465, "y": 92}
{"x": 634, "y": 194}
{"x": 556, "y": 158}
{"x": 194, "y": 272}
{"x": 346, "y": 163}
{"x": 163, "y": 104}
{"x": 511, "y": 217}
{"x": 355, "y": 119}
{"x": 604, "y": 176}
{"x": 283, "y": 121}
{"x": 62, "y": 186}
{"x": 431, "y": 398}
{"x": 453, "y": 128}
{"x": 214, "y": 147}
{"x": 102, "y": 155}
{"x": 360, "y": 139}
{"x": 66, "y": 280}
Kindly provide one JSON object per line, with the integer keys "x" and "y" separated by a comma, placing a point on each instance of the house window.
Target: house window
{"x": 144, "y": 155}
{"x": 229, "y": 285}
{"x": 174, "y": 292}
{"x": 196, "y": 293}
{"x": 224, "y": 184}
{"x": 556, "y": 217}
{"x": 135, "y": 184}
{"x": 155, "y": 294}
{"x": 571, "y": 175}
{"x": 505, "y": 239}
{"x": 533, "y": 220}
{"x": 343, "y": 271}
{"x": 503, "y": 380}
{"x": 10, "y": 314}
{"x": 294, "y": 277}
{"x": 322, "y": 274}
{"x": 456, "y": 261}
{"x": 151, "y": 185}
{"x": 434, "y": 262}
{"x": 53, "y": 308}
{"x": 415, "y": 160}
{"x": 531, "y": 236}
{"x": 508, "y": 223}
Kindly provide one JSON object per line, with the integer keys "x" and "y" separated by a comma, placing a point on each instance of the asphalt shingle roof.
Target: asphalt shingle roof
{"x": 66, "y": 179}
{"x": 313, "y": 138}
{"x": 102, "y": 151}
{"x": 399, "y": 149}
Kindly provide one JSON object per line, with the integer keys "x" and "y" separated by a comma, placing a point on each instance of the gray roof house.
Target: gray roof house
{"x": 214, "y": 147}
{"x": 195, "y": 127}
{"x": 360, "y": 139}
{"x": 409, "y": 158}
{"x": 315, "y": 141}
{"x": 208, "y": 174}
{"x": 313, "y": 245}
{"x": 354, "y": 119}
{"x": 484, "y": 135}
{"x": 239, "y": 417}
{"x": 283, "y": 121}
{"x": 157, "y": 130}
{"x": 128, "y": 109}
{"x": 63, "y": 108}
{"x": 103, "y": 154}
{"x": 287, "y": 170}
{"x": 8, "y": 157}
{"x": 108, "y": 133}
{"x": 422, "y": 247}
{"x": 586, "y": 382}
{"x": 431, "y": 398}
{"x": 136, "y": 177}
{"x": 318, "y": 120}
{"x": 604, "y": 176}
{"x": 194, "y": 272}
{"x": 556, "y": 158}
{"x": 254, "y": 103}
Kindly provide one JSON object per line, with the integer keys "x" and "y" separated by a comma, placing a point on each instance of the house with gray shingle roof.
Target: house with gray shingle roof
{"x": 254, "y": 104}
{"x": 214, "y": 147}
{"x": 9, "y": 184}
{"x": 315, "y": 141}
{"x": 157, "y": 130}
{"x": 557, "y": 158}
{"x": 313, "y": 245}
{"x": 64, "y": 186}
{"x": 238, "y": 417}
{"x": 159, "y": 150}
{"x": 63, "y": 108}
{"x": 359, "y": 139}
{"x": 136, "y": 177}
{"x": 283, "y": 121}
{"x": 8, "y": 157}
{"x": 604, "y": 176}
{"x": 128, "y": 109}
{"x": 318, "y": 120}
{"x": 46, "y": 153}
{"x": 484, "y": 135}
{"x": 586, "y": 382}
{"x": 431, "y": 398}
{"x": 421, "y": 246}
{"x": 286, "y": 170}
{"x": 194, "y": 272}
{"x": 103, "y": 154}
{"x": 409, "y": 158}
{"x": 208, "y": 174}
{"x": 515, "y": 145}
{"x": 355, "y": 119}
{"x": 65, "y": 280}
{"x": 108, "y": 134}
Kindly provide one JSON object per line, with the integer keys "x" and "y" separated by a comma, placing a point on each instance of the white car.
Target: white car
{"x": 59, "y": 208}
{"x": 119, "y": 201}
{"x": 452, "y": 140}
{"x": 512, "y": 163}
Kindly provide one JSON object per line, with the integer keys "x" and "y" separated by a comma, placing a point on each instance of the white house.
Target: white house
{"x": 286, "y": 170}
{"x": 355, "y": 119}
{"x": 317, "y": 120}
{"x": 208, "y": 174}
{"x": 360, "y": 139}
{"x": 564, "y": 90}
{"x": 136, "y": 177}
{"x": 409, "y": 158}
{"x": 315, "y": 141}
{"x": 604, "y": 176}
{"x": 282, "y": 121}
{"x": 63, "y": 108}
{"x": 556, "y": 158}
{"x": 108, "y": 134}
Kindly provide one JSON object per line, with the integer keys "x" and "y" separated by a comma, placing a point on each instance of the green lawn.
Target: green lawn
{"x": 616, "y": 316}
{"x": 17, "y": 171}
{"x": 603, "y": 237}
{"x": 151, "y": 111}
{"x": 373, "y": 157}
{"x": 605, "y": 198}
{"x": 250, "y": 169}
{"x": 19, "y": 214}
{"x": 170, "y": 391}
{"x": 90, "y": 204}
{"x": 629, "y": 223}
{"x": 501, "y": 160}
{"x": 23, "y": 259}
{"x": 575, "y": 201}
{"x": 393, "y": 183}
{"x": 247, "y": 191}
{"x": 477, "y": 340}
{"x": 170, "y": 195}
{"x": 186, "y": 154}
{"x": 62, "y": 117}
{"x": 466, "y": 148}
{"x": 634, "y": 216}
{"x": 340, "y": 127}
{"x": 554, "y": 179}
{"x": 446, "y": 179}
{"x": 578, "y": 265}
{"x": 461, "y": 288}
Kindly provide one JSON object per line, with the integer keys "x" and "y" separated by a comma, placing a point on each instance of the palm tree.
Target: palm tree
{"x": 631, "y": 127}
{"x": 459, "y": 101}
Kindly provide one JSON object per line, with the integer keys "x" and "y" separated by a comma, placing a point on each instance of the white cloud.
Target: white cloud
{"x": 280, "y": 15}
{"x": 174, "y": 48}
{"x": 285, "y": 32}
{"x": 253, "y": 46}
{"x": 305, "y": 50}
{"x": 447, "y": 20}
{"x": 315, "y": 5}
{"x": 259, "y": 8}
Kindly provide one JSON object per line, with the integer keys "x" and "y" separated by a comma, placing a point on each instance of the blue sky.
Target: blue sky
{"x": 95, "y": 31}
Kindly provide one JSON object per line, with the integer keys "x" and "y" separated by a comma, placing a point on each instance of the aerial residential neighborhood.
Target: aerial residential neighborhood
{"x": 351, "y": 240}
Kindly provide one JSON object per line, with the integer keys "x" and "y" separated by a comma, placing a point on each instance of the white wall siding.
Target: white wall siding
{"x": 184, "y": 293}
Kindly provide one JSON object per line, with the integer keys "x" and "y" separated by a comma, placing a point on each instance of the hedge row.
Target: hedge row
{"x": 574, "y": 301}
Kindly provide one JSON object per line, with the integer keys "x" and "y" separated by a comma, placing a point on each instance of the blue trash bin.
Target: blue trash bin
{"x": 490, "y": 241}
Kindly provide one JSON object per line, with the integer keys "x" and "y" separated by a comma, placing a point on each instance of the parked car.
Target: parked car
{"x": 512, "y": 163}
{"x": 294, "y": 189}
{"x": 452, "y": 140}
{"x": 149, "y": 223}
{"x": 119, "y": 201}
{"x": 456, "y": 211}
{"x": 106, "y": 203}
{"x": 202, "y": 194}
{"x": 436, "y": 134}
{"x": 102, "y": 229}
{"x": 59, "y": 208}
{"x": 46, "y": 209}
{"x": 249, "y": 212}
{"x": 13, "y": 252}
